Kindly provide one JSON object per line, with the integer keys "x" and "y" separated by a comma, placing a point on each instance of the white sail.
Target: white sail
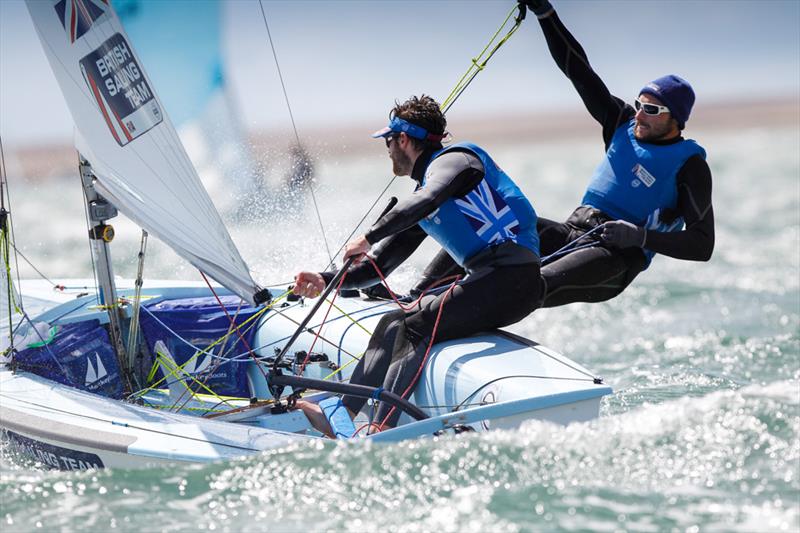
{"x": 123, "y": 131}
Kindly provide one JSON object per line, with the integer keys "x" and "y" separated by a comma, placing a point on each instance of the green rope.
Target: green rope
{"x": 479, "y": 63}
{"x": 5, "y": 251}
{"x": 250, "y": 323}
{"x": 10, "y": 300}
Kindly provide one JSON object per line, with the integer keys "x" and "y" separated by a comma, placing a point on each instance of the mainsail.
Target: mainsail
{"x": 182, "y": 45}
{"x": 122, "y": 129}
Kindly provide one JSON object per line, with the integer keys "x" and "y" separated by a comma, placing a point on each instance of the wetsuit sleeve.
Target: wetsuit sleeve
{"x": 610, "y": 111}
{"x": 696, "y": 242}
{"x": 452, "y": 174}
{"x": 388, "y": 255}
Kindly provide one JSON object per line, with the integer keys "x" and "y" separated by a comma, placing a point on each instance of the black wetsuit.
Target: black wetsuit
{"x": 484, "y": 300}
{"x": 601, "y": 273}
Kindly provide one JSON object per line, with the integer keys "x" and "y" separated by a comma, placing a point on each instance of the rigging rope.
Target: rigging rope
{"x": 572, "y": 246}
{"x": 30, "y": 264}
{"x": 294, "y": 127}
{"x": 478, "y": 64}
{"x": 378, "y": 199}
{"x": 133, "y": 327}
{"x": 6, "y": 242}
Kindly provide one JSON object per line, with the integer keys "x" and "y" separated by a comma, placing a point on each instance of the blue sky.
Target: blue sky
{"x": 347, "y": 61}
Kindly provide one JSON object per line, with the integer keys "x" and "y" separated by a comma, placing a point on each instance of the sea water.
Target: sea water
{"x": 702, "y": 432}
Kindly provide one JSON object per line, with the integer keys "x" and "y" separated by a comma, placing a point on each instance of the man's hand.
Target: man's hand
{"x": 540, "y": 8}
{"x": 308, "y": 284}
{"x": 621, "y": 234}
{"x": 357, "y": 247}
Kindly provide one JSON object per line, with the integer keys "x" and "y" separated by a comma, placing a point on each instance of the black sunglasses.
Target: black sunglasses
{"x": 390, "y": 138}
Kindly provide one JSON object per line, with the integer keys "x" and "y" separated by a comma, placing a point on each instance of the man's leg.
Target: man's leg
{"x": 553, "y": 235}
{"x": 590, "y": 275}
{"x": 371, "y": 369}
{"x": 481, "y": 303}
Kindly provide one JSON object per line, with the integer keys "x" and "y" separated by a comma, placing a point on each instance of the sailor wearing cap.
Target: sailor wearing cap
{"x": 481, "y": 219}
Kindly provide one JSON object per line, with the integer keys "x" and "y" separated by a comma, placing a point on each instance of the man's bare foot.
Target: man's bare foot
{"x": 316, "y": 417}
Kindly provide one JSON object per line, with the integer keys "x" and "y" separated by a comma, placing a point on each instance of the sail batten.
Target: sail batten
{"x": 123, "y": 130}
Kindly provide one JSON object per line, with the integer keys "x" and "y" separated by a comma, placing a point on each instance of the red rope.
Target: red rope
{"x": 455, "y": 279}
{"x": 368, "y": 424}
{"x": 319, "y": 329}
{"x": 235, "y": 326}
{"x": 424, "y": 359}
{"x": 413, "y": 304}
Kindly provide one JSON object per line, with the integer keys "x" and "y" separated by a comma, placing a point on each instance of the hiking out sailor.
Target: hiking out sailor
{"x": 650, "y": 194}
{"x": 474, "y": 211}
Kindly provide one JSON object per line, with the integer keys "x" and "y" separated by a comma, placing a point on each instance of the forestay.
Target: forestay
{"x": 123, "y": 131}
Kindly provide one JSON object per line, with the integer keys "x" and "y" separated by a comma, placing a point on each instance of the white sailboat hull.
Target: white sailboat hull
{"x": 491, "y": 381}
{"x": 69, "y": 429}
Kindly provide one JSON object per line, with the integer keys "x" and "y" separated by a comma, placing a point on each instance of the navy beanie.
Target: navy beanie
{"x": 675, "y": 93}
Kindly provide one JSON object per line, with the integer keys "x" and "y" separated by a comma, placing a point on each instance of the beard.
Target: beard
{"x": 401, "y": 163}
{"x": 650, "y": 132}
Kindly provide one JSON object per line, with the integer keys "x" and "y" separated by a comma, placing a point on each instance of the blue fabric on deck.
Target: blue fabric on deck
{"x": 79, "y": 355}
{"x": 202, "y": 322}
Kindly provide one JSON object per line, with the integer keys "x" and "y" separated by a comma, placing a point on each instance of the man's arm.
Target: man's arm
{"x": 607, "y": 109}
{"x": 696, "y": 242}
{"x": 388, "y": 255}
{"x": 452, "y": 174}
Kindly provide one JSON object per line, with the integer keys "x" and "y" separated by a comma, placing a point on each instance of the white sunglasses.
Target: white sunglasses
{"x": 650, "y": 109}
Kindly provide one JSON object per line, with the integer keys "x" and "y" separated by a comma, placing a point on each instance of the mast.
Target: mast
{"x": 100, "y": 236}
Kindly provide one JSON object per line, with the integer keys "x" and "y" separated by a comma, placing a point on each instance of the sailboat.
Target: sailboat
{"x": 132, "y": 375}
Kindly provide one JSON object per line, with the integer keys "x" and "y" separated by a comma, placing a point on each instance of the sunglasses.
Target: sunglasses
{"x": 650, "y": 109}
{"x": 390, "y": 138}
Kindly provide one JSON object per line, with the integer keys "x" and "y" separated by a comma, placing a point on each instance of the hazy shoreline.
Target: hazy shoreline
{"x": 36, "y": 162}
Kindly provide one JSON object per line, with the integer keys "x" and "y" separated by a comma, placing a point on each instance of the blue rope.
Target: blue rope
{"x": 235, "y": 359}
{"x": 570, "y": 246}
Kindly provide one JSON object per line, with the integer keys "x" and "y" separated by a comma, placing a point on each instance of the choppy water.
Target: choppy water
{"x": 702, "y": 433}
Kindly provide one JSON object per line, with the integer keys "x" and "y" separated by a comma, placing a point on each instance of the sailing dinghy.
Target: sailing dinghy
{"x": 133, "y": 374}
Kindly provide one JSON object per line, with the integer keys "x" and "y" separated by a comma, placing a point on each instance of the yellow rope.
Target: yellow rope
{"x": 479, "y": 63}
{"x": 353, "y": 360}
{"x": 166, "y": 363}
{"x": 206, "y": 351}
{"x": 201, "y": 350}
{"x": 6, "y": 253}
{"x": 353, "y": 320}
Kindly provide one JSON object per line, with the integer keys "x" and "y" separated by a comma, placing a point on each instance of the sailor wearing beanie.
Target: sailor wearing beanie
{"x": 650, "y": 194}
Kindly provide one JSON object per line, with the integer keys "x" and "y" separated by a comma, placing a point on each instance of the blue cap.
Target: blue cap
{"x": 398, "y": 125}
{"x": 675, "y": 93}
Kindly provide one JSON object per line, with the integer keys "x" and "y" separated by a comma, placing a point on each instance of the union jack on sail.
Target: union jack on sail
{"x": 77, "y": 16}
{"x": 489, "y": 215}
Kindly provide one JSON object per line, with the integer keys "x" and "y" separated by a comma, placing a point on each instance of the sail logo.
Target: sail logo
{"x": 96, "y": 371}
{"x": 123, "y": 95}
{"x": 77, "y": 16}
{"x": 197, "y": 364}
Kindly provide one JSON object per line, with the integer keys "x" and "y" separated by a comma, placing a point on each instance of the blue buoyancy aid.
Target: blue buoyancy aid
{"x": 636, "y": 179}
{"x": 493, "y": 212}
